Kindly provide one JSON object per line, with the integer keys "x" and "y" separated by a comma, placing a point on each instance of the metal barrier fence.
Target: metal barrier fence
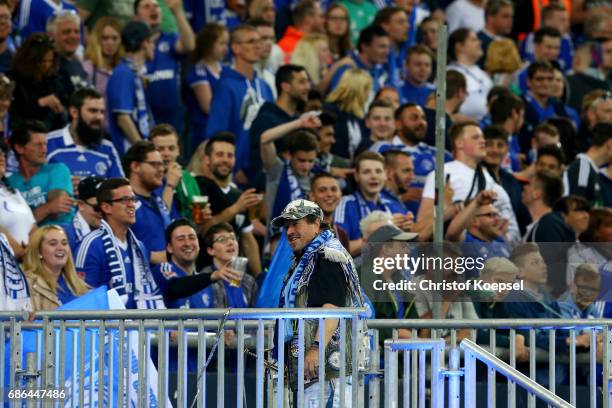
{"x": 68, "y": 345}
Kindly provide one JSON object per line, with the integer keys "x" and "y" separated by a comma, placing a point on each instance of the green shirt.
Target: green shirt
{"x": 121, "y": 9}
{"x": 361, "y": 13}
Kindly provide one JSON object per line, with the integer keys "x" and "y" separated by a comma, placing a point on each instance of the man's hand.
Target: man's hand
{"x": 522, "y": 351}
{"x": 247, "y": 199}
{"x": 174, "y": 5}
{"x": 486, "y": 197}
{"x": 61, "y": 205}
{"x": 311, "y": 364}
{"x": 227, "y": 274}
{"x": 310, "y": 120}
{"x": 174, "y": 174}
{"x": 404, "y": 222}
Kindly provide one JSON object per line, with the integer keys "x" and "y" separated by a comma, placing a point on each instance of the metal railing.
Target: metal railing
{"x": 107, "y": 353}
{"x": 182, "y": 335}
{"x": 539, "y": 360}
{"x": 473, "y": 352}
{"x": 436, "y": 348}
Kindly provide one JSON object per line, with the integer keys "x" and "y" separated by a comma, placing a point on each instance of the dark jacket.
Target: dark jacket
{"x": 341, "y": 147}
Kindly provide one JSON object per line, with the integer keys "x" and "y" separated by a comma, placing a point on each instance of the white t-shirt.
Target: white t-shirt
{"x": 461, "y": 178}
{"x": 15, "y": 214}
{"x": 463, "y": 14}
{"x": 478, "y": 86}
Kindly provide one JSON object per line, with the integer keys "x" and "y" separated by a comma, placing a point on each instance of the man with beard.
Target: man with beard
{"x": 326, "y": 193}
{"x": 144, "y": 168}
{"x": 65, "y": 28}
{"x": 322, "y": 275}
{"x": 411, "y": 125}
{"x": 227, "y": 202}
{"x": 113, "y": 256}
{"x": 292, "y": 87}
{"x": 81, "y": 145}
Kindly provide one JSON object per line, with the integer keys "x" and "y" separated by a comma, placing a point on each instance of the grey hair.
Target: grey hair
{"x": 377, "y": 216}
{"x": 60, "y": 17}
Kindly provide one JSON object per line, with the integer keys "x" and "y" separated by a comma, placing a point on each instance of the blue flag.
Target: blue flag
{"x": 269, "y": 294}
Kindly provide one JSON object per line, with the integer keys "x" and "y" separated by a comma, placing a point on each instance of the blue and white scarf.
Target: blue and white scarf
{"x": 327, "y": 245}
{"x": 143, "y": 117}
{"x": 364, "y": 208}
{"x": 289, "y": 189}
{"x": 146, "y": 292}
{"x": 16, "y": 295}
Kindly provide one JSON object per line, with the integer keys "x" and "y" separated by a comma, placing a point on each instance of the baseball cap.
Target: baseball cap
{"x": 390, "y": 232}
{"x": 134, "y": 33}
{"x": 88, "y": 187}
{"x": 296, "y": 210}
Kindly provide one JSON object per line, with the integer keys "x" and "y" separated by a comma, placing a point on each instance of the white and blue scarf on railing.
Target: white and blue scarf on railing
{"x": 146, "y": 292}
{"x": 327, "y": 245}
{"x": 15, "y": 296}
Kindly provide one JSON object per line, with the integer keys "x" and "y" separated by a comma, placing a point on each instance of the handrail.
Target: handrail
{"x": 234, "y": 314}
{"x": 487, "y": 323}
{"x": 513, "y": 374}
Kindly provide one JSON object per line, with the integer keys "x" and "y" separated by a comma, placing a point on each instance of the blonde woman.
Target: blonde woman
{"x": 348, "y": 103}
{"x": 312, "y": 52}
{"x": 502, "y": 61}
{"x": 104, "y": 51}
{"x": 50, "y": 271}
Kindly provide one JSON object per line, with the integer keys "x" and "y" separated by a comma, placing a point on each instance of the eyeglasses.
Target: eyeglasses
{"x": 489, "y": 214}
{"x": 94, "y": 207}
{"x": 225, "y": 238}
{"x": 156, "y": 164}
{"x": 337, "y": 18}
{"x": 125, "y": 200}
{"x": 603, "y": 98}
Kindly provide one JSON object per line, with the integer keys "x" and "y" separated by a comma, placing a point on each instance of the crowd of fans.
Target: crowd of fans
{"x": 148, "y": 143}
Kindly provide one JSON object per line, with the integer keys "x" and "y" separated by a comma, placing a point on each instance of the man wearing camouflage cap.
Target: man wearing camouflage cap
{"x": 322, "y": 275}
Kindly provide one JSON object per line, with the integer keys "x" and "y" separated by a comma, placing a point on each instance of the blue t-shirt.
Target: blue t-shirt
{"x": 32, "y": 15}
{"x": 201, "y": 12}
{"x": 152, "y": 218}
{"x": 101, "y": 160}
{"x": 543, "y": 113}
{"x": 566, "y": 52}
{"x": 416, "y": 94}
{"x": 353, "y": 208}
{"x": 379, "y": 73}
{"x": 125, "y": 95}
{"x": 234, "y": 107}
{"x": 92, "y": 260}
{"x": 198, "y": 74}
{"x": 35, "y": 191}
{"x": 163, "y": 75}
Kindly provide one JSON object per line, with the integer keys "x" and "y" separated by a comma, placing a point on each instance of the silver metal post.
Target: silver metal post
{"x": 454, "y": 381}
{"x": 440, "y": 144}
